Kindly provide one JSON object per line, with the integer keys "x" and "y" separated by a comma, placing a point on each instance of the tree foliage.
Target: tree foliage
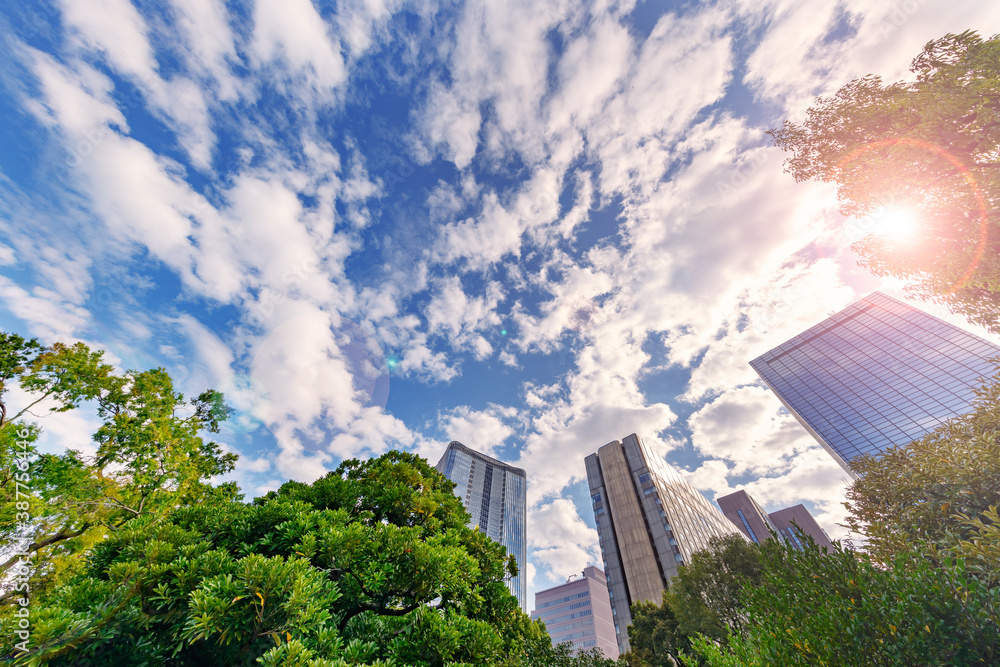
{"x": 839, "y": 608}
{"x": 933, "y": 495}
{"x": 705, "y": 598}
{"x": 372, "y": 564}
{"x": 150, "y": 454}
{"x": 653, "y": 635}
{"x": 930, "y": 144}
{"x": 138, "y": 559}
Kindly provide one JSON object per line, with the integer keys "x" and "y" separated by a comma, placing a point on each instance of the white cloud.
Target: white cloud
{"x": 459, "y": 319}
{"x": 450, "y": 123}
{"x": 214, "y": 356}
{"x": 748, "y": 426}
{"x": 115, "y": 29}
{"x": 482, "y": 430}
{"x": 798, "y": 58}
{"x": 293, "y": 33}
{"x": 589, "y": 71}
{"x": 45, "y": 312}
{"x": 59, "y": 430}
{"x": 559, "y": 540}
{"x": 211, "y": 45}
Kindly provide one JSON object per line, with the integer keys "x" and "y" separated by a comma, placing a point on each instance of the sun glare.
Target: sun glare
{"x": 897, "y": 224}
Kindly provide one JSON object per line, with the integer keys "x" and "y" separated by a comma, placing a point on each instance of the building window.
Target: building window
{"x": 679, "y": 558}
{"x": 648, "y": 490}
{"x": 746, "y": 525}
{"x": 596, "y": 497}
{"x": 643, "y": 478}
{"x": 793, "y": 538}
{"x": 599, "y": 511}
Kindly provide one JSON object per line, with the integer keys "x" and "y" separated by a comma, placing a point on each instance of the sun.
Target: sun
{"x": 897, "y": 223}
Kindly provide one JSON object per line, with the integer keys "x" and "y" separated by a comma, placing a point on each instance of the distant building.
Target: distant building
{"x": 877, "y": 374}
{"x": 747, "y": 515}
{"x": 494, "y": 493}
{"x": 757, "y": 525}
{"x": 792, "y": 521}
{"x": 579, "y": 611}
{"x": 649, "y": 521}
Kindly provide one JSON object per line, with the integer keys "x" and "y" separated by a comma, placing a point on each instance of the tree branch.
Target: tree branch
{"x": 31, "y": 405}
{"x": 378, "y": 609}
{"x": 52, "y": 539}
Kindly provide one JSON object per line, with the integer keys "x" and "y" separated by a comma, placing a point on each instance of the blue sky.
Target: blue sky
{"x": 531, "y": 227}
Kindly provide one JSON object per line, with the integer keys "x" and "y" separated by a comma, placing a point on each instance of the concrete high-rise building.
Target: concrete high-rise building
{"x": 495, "y": 494}
{"x": 649, "y": 522}
{"x": 579, "y": 611}
{"x": 757, "y": 525}
{"x": 877, "y": 374}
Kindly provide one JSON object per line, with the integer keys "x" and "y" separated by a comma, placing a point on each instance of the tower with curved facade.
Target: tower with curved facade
{"x": 495, "y": 494}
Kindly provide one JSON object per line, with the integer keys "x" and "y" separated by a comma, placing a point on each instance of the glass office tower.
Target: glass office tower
{"x": 495, "y": 494}
{"x": 877, "y": 374}
{"x": 650, "y": 521}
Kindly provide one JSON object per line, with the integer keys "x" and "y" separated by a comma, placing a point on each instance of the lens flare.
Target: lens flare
{"x": 959, "y": 166}
{"x": 898, "y": 224}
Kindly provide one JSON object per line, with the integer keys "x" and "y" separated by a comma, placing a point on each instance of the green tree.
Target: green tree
{"x": 932, "y": 145}
{"x": 653, "y": 635}
{"x": 372, "y": 564}
{"x": 705, "y": 598}
{"x": 150, "y": 455}
{"x": 839, "y": 608}
{"x": 928, "y": 496}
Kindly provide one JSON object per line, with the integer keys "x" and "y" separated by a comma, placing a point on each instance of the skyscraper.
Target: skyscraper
{"x": 579, "y": 612}
{"x": 740, "y": 508}
{"x": 649, "y": 522}
{"x": 494, "y": 493}
{"x": 877, "y": 374}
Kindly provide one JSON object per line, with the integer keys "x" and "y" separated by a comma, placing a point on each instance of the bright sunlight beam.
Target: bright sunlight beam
{"x": 897, "y": 224}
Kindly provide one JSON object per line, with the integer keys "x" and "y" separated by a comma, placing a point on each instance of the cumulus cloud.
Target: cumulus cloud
{"x": 602, "y": 190}
{"x": 744, "y": 426}
{"x": 560, "y": 542}
{"x": 482, "y": 430}
{"x": 293, "y": 33}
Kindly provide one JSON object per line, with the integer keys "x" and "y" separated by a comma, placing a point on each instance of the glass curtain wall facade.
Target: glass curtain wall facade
{"x": 649, "y": 521}
{"x": 495, "y": 495}
{"x": 877, "y": 374}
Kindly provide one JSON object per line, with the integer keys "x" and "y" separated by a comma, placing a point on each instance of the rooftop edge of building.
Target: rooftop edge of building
{"x": 489, "y": 459}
